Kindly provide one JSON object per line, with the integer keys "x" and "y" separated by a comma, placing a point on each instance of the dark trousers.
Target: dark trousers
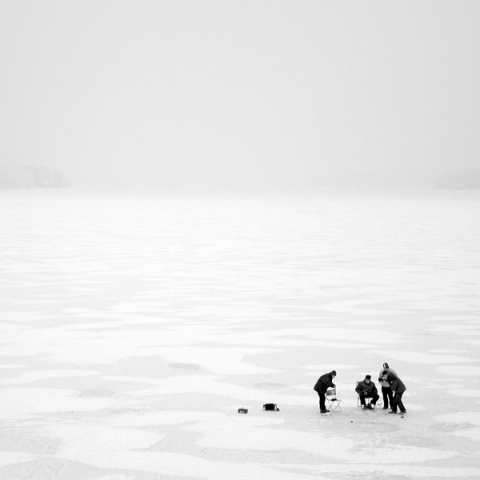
{"x": 387, "y": 395}
{"x": 322, "y": 400}
{"x": 397, "y": 402}
{"x": 374, "y": 398}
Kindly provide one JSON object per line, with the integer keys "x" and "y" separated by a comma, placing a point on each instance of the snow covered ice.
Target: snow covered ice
{"x": 133, "y": 328}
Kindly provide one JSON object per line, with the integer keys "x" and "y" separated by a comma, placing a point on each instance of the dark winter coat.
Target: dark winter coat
{"x": 367, "y": 389}
{"x": 384, "y": 372}
{"x": 396, "y": 384}
{"x": 324, "y": 382}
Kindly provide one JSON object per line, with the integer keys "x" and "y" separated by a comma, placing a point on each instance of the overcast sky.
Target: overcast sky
{"x": 240, "y": 91}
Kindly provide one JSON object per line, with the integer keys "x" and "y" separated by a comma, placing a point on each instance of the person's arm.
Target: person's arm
{"x": 394, "y": 386}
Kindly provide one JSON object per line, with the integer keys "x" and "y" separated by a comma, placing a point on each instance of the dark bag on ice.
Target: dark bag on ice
{"x": 271, "y": 406}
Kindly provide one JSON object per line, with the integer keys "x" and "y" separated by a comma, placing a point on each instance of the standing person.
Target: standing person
{"x": 386, "y": 390}
{"x": 323, "y": 383}
{"x": 398, "y": 389}
{"x": 367, "y": 389}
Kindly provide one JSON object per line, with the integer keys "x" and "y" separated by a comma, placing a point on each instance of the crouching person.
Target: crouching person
{"x": 367, "y": 389}
{"x": 323, "y": 384}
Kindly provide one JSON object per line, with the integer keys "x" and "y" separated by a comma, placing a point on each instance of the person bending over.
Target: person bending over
{"x": 398, "y": 389}
{"x": 323, "y": 384}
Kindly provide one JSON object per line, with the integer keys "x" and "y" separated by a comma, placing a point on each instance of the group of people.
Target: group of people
{"x": 392, "y": 390}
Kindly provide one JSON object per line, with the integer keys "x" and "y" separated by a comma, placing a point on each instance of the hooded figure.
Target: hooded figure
{"x": 386, "y": 390}
{"x": 323, "y": 383}
{"x": 367, "y": 389}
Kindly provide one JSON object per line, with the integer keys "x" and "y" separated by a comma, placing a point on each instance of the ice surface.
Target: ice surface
{"x": 133, "y": 329}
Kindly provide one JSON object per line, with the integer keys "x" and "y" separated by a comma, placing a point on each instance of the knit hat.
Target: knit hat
{"x": 333, "y": 372}
{"x": 385, "y": 365}
{"x": 368, "y": 377}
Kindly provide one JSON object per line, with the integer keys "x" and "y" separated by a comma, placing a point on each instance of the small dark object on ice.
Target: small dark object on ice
{"x": 243, "y": 410}
{"x": 271, "y": 406}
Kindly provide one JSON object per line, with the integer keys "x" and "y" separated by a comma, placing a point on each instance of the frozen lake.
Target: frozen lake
{"x": 134, "y": 327}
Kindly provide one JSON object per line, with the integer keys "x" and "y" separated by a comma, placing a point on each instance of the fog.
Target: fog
{"x": 241, "y": 94}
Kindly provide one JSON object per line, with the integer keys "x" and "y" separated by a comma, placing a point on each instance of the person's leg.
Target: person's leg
{"x": 398, "y": 401}
{"x": 362, "y": 399}
{"x": 322, "y": 400}
{"x": 385, "y": 395}
{"x": 375, "y": 398}
{"x": 390, "y": 396}
{"x": 393, "y": 404}
{"x": 368, "y": 405}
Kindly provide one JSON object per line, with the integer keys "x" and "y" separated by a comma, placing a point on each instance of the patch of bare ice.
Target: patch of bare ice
{"x": 457, "y": 329}
{"x": 115, "y": 476}
{"x": 366, "y": 322}
{"x": 384, "y": 471}
{"x": 204, "y": 384}
{"x": 130, "y": 449}
{"x": 20, "y": 403}
{"x": 475, "y": 343}
{"x": 463, "y": 424}
{"x": 222, "y": 361}
{"x": 35, "y": 376}
{"x": 7, "y": 458}
{"x": 424, "y": 358}
{"x": 249, "y": 437}
{"x": 461, "y": 371}
{"x": 327, "y": 368}
{"x": 461, "y": 392}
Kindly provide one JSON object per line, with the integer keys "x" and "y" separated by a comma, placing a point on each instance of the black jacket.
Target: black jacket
{"x": 324, "y": 382}
{"x": 367, "y": 389}
{"x": 396, "y": 384}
